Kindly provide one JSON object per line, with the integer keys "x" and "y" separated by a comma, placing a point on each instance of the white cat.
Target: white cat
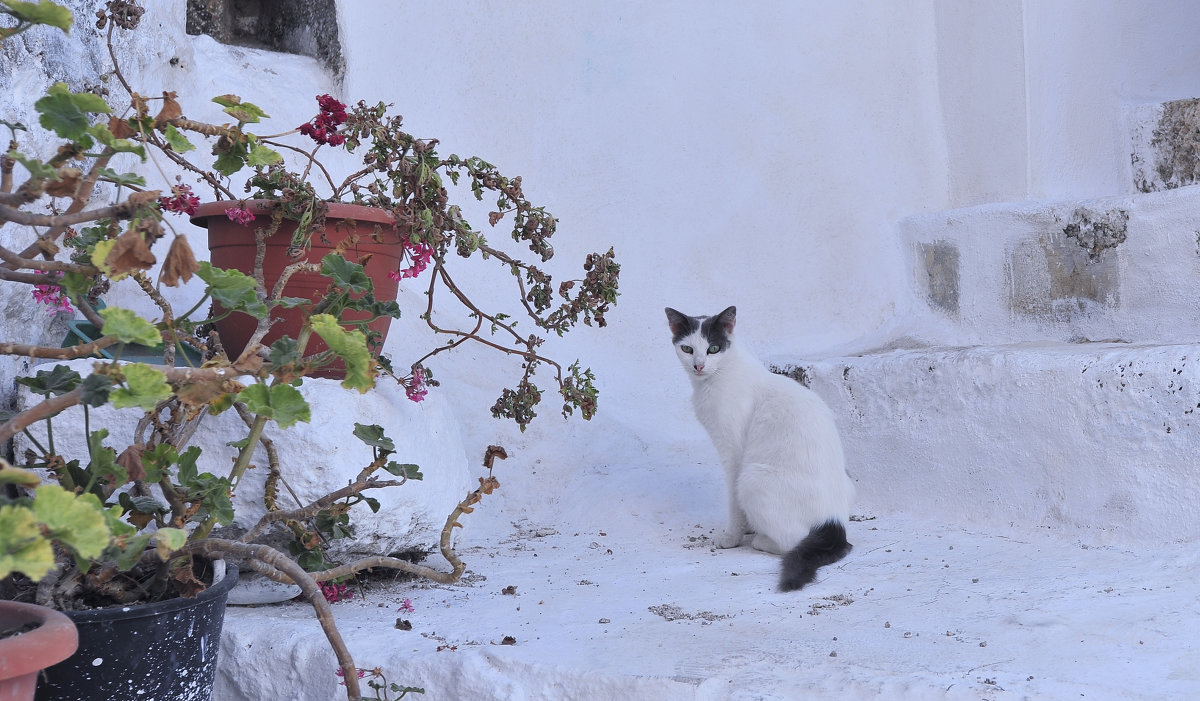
{"x": 777, "y": 440}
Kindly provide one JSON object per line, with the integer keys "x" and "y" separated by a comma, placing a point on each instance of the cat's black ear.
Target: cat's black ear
{"x": 727, "y": 319}
{"x": 677, "y": 321}
{"x": 681, "y": 324}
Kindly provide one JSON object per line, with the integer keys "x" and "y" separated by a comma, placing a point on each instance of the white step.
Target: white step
{"x": 1103, "y": 437}
{"x": 1114, "y": 269}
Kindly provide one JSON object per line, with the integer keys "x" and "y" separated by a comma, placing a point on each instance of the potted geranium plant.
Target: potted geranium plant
{"x": 155, "y": 510}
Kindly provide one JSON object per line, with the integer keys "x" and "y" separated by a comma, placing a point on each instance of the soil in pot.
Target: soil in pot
{"x": 164, "y": 650}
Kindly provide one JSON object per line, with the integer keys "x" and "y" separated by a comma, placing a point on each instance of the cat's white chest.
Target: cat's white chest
{"x": 725, "y": 412}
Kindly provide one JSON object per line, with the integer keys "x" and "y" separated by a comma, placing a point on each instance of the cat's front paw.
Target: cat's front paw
{"x": 729, "y": 539}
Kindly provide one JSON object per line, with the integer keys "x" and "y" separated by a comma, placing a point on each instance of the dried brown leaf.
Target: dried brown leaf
{"x": 131, "y": 460}
{"x": 180, "y": 263}
{"x": 120, "y": 128}
{"x": 68, "y": 181}
{"x": 185, "y": 582}
{"x": 197, "y": 394}
{"x": 140, "y": 199}
{"x": 170, "y": 109}
{"x": 130, "y": 253}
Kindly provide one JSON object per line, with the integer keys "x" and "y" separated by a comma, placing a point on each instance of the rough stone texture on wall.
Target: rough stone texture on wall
{"x": 1166, "y": 145}
{"x": 1054, "y": 279}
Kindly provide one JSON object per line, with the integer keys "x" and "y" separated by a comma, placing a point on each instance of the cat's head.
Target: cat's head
{"x": 701, "y": 341}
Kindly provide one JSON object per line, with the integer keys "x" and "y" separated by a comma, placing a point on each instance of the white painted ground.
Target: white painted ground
{"x": 619, "y": 594}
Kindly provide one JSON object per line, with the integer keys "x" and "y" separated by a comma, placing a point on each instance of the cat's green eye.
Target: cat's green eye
{"x": 686, "y": 349}
{"x": 714, "y": 349}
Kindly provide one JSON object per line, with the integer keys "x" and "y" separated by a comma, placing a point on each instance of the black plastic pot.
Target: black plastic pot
{"x": 166, "y": 650}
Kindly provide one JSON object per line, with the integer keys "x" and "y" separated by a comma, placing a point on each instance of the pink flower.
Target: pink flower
{"x": 420, "y": 255}
{"x": 181, "y": 201}
{"x": 335, "y": 592}
{"x": 415, "y": 388}
{"x": 323, "y": 127}
{"x": 239, "y": 215}
{"x": 53, "y": 297}
{"x": 361, "y": 673}
{"x": 406, "y": 607}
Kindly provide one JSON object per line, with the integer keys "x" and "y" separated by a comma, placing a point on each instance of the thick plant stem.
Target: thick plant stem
{"x": 271, "y": 562}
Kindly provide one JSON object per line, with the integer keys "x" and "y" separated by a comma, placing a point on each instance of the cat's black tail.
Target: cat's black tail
{"x": 824, "y": 545}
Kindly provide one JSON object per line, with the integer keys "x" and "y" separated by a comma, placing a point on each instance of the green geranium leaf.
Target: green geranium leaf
{"x": 373, "y": 436}
{"x": 228, "y": 163}
{"x": 37, "y": 169}
{"x": 176, "y": 140}
{"x": 262, "y": 156}
{"x": 42, "y": 12}
{"x": 217, "y": 501}
{"x": 346, "y": 275}
{"x": 351, "y": 347}
{"x": 132, "y": 551}
{"x": 141, "y": 505}
{"x": 291, "y": 302}
{"x": 58, "y": 380}
{"x": 407, "y": 470}
{"x": 157, "y": 461}
{"x": 96, "y": 389}
{"x": 283, "y": 403}
{"x": 112, "y": 519}
{"x": 122, "y": 178}
{"x": 284, "y": 352}
{"x": 187, "y": 465}
{"x": 76, "y": 285}
{"x": 66, "y": 113}
{"x": 103, "y": 464}
{"x": 75, "y": 521}
{"x": 15, "y": 475}
{"x": 22, "y": 547}
{"x": 245, "y": 112}
{"x": 145, "y": 387}
{"x": 234, "y": 290}
{"x": 128, "y": 327}
{"x": 168, "y": 540}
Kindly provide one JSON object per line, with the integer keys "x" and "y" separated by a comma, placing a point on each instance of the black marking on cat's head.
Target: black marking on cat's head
{"x": 717, "y": 330}
{"x": 681, "y": 324}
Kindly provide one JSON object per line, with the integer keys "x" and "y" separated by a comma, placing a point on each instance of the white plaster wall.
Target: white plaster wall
{"x": 1087, "y": 61}
{"x": 755, "y": 154}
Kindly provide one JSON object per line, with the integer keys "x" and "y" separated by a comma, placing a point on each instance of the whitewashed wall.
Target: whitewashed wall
{"x": 762, "y": 155}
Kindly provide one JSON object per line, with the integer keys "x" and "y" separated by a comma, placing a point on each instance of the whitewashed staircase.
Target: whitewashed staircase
{"x": 1051, "y": 371}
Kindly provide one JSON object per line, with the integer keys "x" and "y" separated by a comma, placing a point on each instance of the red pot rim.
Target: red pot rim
{"x": 53, "y": 641}
{"x": 337, "y": 210}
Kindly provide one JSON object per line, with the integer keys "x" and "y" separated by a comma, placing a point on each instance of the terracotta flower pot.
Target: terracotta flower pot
{"x": 231, "y": 245}
{"x": 24, "y": 655}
